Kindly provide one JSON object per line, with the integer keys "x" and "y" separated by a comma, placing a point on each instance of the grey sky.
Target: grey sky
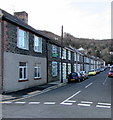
{"x": 81, "y": 18}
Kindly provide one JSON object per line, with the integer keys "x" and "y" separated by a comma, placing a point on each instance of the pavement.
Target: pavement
{"x": 36, "y": 90}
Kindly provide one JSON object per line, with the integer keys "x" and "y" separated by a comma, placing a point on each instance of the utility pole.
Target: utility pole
{"x": 61, "y": 54}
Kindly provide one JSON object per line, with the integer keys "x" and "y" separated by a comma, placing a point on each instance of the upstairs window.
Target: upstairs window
{"x": 22, "y": 39}
{"x": 60, "y": 52}
{"x": 37, "y": 44}
{"x": 54, "y": 51}
{"x": 69, "y": 55}
{"x": 75, "y": 57}
{"x": 64, "y": 54}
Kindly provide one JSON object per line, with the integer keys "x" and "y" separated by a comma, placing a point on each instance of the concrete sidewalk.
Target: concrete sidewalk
{"x": 32, "y": 91}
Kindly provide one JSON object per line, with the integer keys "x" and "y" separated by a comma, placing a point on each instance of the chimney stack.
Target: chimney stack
{"x": 22, "y": 15}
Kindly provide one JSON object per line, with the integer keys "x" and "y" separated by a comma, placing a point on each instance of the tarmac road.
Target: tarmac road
{"x": 88, "y": 99}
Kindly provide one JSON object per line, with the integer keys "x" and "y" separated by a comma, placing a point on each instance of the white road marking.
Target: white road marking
{"x": 80, "y": 104}
{"x": 88, "y": 85}
{"x": 68, "y": 99}
{"x": 49, "y": 103}
{"x": 6, "y": 102}
{"x": 86, "y": 102}
{"x": 101, "y": 106}
{"x": 63, "y": 103}
{"x": 71, "y": 101}
{"x": 20, "y": 102}
{"x": 34, "y": 103}
{"x": 105, "y": 81}
{"x": 73, "y": 95}
{"x": 104, "y": 103}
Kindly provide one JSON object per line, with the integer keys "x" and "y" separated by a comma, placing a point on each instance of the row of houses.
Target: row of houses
{"x": 29, "y": 58}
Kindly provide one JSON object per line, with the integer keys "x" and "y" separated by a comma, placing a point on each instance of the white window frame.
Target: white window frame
{"x": 64, "y": 54}
{"x": 23, "y": 68}
{"x": 22, "y": 41}
{"x": 38, "y": 67}
{"x": 54, "y": 49}
{"x": 64, "y": 71}
{"x": 54, "y": 69}
{"x": 75, "y": 67}
{"x": 75, "y": 57}
{"x": 69, "y": 55}
{"x": 59, "y": 52}
{"x": 69, "y": 68}
{"x": 37, "y": 44}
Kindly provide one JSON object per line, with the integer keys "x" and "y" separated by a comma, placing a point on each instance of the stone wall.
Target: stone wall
{"x": 11, "y": 43}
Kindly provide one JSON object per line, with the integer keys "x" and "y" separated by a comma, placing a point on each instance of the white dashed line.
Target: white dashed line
{"x": 7, "y": 102}
{"x": 63, "y": 103}
{"x": 80, "y": 104}
{"x": 49, "y": 103}
{"x": 101, "y": 106}
{"x": 20, "y": 102}
{"x": 88, "y": 85}
{"x": 104, "y": 103}
{"x": 105, "y": 81}
{"x": 34, "y": 103}
{"x": 86, "y": 102}
{"x": 71, "y": 101}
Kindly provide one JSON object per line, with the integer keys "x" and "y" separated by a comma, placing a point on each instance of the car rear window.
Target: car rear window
{"x": 74, "y": 73}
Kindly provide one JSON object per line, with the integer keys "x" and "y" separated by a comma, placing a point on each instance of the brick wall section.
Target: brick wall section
{"x": 12, "y": 43}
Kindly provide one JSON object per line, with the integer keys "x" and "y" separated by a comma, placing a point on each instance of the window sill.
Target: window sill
{"x": 37, "y": 51}
{"x": 54, "y": 76}
{"x": 23, "y": 80}
{"x": 37, "y": 78}
{"x": 23, "y": 48}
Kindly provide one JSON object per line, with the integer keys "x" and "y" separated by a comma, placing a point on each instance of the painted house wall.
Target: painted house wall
{"x": 11, "y": 71}
{"x": 13, "y": 55}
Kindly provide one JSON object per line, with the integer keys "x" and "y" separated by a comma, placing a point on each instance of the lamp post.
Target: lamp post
{"x": 61, "y": 54}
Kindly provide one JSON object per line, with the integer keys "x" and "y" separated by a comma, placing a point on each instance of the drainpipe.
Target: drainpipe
{"x": 47, "y": 60}
{"x": 61, "y": 54}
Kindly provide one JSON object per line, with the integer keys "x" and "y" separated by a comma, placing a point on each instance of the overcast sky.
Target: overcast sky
{"x": 81, "y": 18}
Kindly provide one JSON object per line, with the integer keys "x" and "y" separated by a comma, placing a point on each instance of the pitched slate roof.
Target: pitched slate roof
{"x": 19, "y": 22}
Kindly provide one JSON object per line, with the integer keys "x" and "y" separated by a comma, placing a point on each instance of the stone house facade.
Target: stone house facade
{"x": 24, "y": 62}
{"x": 28, "y": 57}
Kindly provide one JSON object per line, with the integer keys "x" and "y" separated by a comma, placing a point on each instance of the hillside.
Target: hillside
{"x": 99, "y": 48}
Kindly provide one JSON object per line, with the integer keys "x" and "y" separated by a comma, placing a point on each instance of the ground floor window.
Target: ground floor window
{"x": 37, "y": 71}
{"x": 64, "y": 71}
{"x": 54, "y": 69}
{"x": 75, "y": 67}
{"x": 22, "y": 71}
{"x": 69, "y": 68}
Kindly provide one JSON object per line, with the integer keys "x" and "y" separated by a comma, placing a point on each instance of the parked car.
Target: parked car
{"x": 92, "y": 72}
{"x": 102, "y": 69}
{"x": 110, "y": 74}
{"x": 75, "y": 76}
{"x": 98, "y": 71}
{"x": 84, "y": 74}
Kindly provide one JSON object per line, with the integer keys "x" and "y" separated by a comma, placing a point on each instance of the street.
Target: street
{"x": 88, "y": 99}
